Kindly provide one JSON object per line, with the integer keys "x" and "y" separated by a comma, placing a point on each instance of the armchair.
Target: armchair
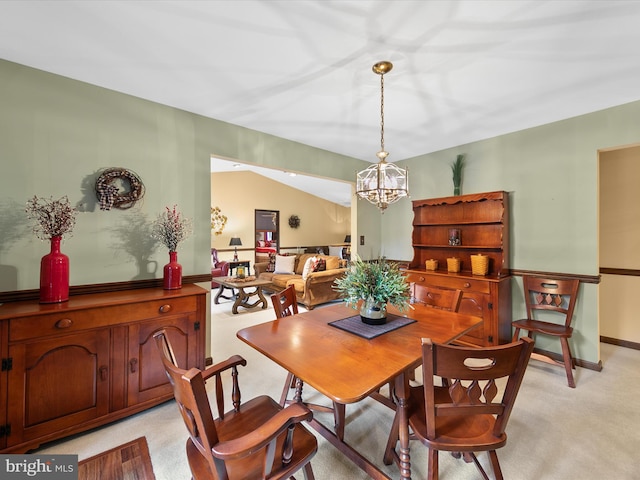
{"x": 218, "y": 268}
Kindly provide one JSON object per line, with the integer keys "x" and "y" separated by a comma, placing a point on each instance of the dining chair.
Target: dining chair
{"x": 469, "y": 415}
{"x": 284, "y": 305}
{"x": 257, "y": 439}
{"x": 435, "y": 297}
{"x": 431, "y": 297}
{"x": 548, "y": 296}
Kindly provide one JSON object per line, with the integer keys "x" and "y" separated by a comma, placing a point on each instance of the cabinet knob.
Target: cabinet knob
{"x": 64, "y": 323}
{"x": 467, "y": 285}
{"x": 104, "y": 373}
{"x": 133, "y": 365}
{"x": 422, "y": 279}
{"x": 165, "y": 308}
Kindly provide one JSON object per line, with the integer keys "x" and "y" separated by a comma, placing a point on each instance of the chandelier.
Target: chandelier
{"x": 383, "y": 183}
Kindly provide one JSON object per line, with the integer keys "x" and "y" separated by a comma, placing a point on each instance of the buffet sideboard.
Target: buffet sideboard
{"x": 76, "y": 365}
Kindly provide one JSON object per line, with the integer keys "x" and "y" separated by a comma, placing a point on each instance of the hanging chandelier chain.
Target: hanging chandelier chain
{"x": 382, "y": 113}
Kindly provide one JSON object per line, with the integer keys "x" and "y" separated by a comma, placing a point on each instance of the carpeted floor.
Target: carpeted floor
{"x": 555, "y": 432}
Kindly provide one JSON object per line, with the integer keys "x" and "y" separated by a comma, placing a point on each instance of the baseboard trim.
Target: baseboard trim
{"x": 579, "y": 362}
{"x": 620, "y": 343}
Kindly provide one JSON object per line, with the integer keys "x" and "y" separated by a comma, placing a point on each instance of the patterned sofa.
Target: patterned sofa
{"x": 316, "y": 288}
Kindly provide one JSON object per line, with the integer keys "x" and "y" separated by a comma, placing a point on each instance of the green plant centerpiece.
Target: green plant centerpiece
{"x": 375, "y": 283}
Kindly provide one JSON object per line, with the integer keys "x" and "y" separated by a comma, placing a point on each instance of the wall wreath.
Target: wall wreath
{"x": 119, "y": 188}
{"x": 294, "y": 221}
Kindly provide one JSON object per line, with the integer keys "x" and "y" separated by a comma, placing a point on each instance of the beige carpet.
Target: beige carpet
{"x": 555, "y": 432}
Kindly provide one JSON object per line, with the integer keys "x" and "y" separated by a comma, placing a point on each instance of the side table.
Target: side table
{"x": 234, "y": 264}
{"x": 242, "y": 299}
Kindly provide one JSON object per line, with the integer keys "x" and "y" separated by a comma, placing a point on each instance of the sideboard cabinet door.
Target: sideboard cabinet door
{"x": 57, "y": 383}
{"x": 147, "y": 379}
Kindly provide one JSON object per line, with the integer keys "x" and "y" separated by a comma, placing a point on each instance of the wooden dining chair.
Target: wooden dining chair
{"x": 435, "y": 297}
{"x": 469, "y": 415}
{"x": 257, "y": 439}
{"x": 555, "y": 296}
{"x": 284, "y": 305}
{"x": 431, "y": 297}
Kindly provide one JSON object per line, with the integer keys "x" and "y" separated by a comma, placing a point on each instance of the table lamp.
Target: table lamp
{"x": 235, "y": 241}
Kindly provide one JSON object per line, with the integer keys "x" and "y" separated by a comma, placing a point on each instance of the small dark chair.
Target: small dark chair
{"x": 218, "y": 268}
{"x": 255, "y": 440}
{"x": 468, "y": 415}
{"x": 284, "y": 305}
{"x": 545, "y": 294}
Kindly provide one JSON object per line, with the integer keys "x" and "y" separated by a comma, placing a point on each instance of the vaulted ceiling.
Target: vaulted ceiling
{"x": 464, "y": 70}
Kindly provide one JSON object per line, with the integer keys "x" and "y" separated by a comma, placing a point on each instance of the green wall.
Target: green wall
{"x": 550, "y": 173}
{"x": 56, "y": 134}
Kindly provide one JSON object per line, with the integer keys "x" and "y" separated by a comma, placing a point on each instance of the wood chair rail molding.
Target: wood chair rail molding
{"x": 20, "y": 295}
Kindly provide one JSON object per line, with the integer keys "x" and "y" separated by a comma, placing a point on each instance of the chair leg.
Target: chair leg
{"x": 432, "y": 465}
{"x": 516, "y": 334}
{"x": 394, "y": 435}
{"x": 285, "y": 390}
{"x": 338, "y": 417}
{"x": 308, "y": 472}
{"x": 568, "y": 361}
{"x": 495, "y": 464}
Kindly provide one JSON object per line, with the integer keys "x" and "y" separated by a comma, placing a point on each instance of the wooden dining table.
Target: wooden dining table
{"x": 348, "y": 368}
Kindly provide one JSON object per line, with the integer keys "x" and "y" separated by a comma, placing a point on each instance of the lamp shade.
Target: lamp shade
{"x": 347, "y": 239}
{"x": 235, "y": 241}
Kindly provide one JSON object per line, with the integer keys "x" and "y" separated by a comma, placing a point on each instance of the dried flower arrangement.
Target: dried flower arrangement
{"x": 171, "y": 228}
{"x": 218, "y": 220}
{"x": 52, "y": 218}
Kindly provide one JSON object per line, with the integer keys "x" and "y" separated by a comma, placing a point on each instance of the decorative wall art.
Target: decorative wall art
{"x": 118, "y": 188}
{"x": 294, "y": 221}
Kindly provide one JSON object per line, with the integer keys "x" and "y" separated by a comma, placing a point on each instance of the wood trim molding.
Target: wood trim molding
{"x": 20, "y": 295}
{"x": 620, "y": 343}
{"x": 620, "y": 271}
{"x": 579, "y": 362}
{"x": 583, "y": 278}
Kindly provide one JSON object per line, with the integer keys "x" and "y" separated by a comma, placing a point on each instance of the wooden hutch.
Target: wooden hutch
{"x": 461, "y": 226}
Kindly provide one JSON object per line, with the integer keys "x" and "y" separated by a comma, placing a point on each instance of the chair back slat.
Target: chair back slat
{"x": 550, "y": 294}
{"x": 285, "y": 303}
{"x": 471, "y": 374}
{"x": 442, "y": 298}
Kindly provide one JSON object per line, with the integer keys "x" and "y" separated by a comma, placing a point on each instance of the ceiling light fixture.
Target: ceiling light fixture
{"x": 383, "y": 183}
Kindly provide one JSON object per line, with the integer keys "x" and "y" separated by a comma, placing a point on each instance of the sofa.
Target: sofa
{"x": 218, "y": 268}
{"x": 316, "y": 288}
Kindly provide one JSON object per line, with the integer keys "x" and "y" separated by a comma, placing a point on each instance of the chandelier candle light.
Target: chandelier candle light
{"x": 383, "y": 183}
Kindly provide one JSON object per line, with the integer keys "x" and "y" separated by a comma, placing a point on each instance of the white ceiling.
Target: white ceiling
{"x": 464, "y": 70}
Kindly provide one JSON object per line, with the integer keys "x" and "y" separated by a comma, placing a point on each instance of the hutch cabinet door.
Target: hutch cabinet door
{"x": 147, "y": 379}
{"x": 57, "y": 383}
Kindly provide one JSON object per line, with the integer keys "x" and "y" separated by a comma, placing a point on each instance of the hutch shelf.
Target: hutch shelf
{"x": 459, "y": 227}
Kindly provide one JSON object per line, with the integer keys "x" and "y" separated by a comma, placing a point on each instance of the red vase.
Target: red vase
{"x": 172, "y": 273}
{"x": 54, "y": 275}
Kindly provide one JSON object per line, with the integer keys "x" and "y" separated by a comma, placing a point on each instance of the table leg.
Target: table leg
{"x": 261, "y": 296}
{"x": 240, "y": 298}
{"x": 402, "y": 394}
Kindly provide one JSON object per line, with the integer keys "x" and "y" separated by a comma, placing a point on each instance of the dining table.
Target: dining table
{"x": 317, "y": 348}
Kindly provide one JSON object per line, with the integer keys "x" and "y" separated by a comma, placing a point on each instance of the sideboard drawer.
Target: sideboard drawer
{"x": 464, "y": 284}
{"x": 71, "y": 321}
